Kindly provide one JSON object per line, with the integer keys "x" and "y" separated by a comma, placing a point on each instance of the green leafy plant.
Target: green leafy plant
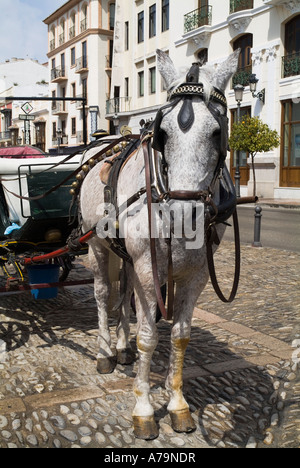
{"x": 253, "y": 136}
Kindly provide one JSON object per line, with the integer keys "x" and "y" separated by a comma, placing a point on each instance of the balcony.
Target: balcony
{"x": 79, "y": 104}
{"x": 71, "y": 32}
{"x": 197, "y": 18}
{"x": 239, "y": 5}
{"x": 59, "y": 108}
{"x": 81, "y": 65}
{"x": 291, "y": 65}
{"x": 83, "y": 25}
{"x": 116, "y": 105}
{"x": 52, "y": 45}
{"x": 242, "y": 76}
{"x": 61, "y": 39}
{"x": 58, "y": 75}
{"x": 63, "y": 141}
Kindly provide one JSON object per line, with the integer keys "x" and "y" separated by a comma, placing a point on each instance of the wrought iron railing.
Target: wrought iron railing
{"x": 58, "y": 72}
{"x": 79, "y": 104}
{"x": 116, "y": 105}
{"x": 197, "y": 18}
{"x": 61, "y": 38}
{"x": 239, "y": 5}
{"x": 291, "y": 65}
{"x": 58, "y": 107}
{"x": 52, "y": 44}
{"x": 71, "y": 32}
{"x": 242, "y": 76}
{"x": 81, "y": 63}
{"x": 83, "y": 25}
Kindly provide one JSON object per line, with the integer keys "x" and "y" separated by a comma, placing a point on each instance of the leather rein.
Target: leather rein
{"x": 186, "y": 92}
{"x": 211, "y": 238}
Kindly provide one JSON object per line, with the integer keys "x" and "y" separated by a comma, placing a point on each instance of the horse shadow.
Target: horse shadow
{"x": 232, "y": 406}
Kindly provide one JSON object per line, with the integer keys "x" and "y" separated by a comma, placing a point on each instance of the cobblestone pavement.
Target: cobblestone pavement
{"x": 241, "y": 375}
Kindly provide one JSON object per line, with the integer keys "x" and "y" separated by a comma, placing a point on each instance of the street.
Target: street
{"x": 280, "y": 227}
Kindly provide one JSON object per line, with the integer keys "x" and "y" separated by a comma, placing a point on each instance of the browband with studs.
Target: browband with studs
{"x": 188, "y": 89}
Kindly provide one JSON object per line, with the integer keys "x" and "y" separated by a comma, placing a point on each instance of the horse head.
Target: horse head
{"x": 192, "y": 129}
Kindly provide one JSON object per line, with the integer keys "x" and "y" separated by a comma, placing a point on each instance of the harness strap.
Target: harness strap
{"x": 166, "y": 313}
{"x": 212, "y": 238}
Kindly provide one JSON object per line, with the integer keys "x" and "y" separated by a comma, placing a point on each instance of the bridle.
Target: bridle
{"x": 157, "y": 183}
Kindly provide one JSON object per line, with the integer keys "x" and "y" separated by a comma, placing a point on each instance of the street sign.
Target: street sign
{"x": 26, "y": 117}
{"x": 27, "y": 108}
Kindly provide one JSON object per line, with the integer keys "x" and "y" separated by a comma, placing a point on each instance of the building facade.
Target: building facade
{"x": 80, "y": 42}
{"x": 268, "y": 33}
{"x": 28, "y": 78}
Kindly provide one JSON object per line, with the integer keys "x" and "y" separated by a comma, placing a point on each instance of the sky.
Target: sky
{"x": 23, "y": 33}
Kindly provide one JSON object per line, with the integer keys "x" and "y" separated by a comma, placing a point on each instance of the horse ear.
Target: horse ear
{"x": 166, "y": 68}
{"x": 226, "y": 69}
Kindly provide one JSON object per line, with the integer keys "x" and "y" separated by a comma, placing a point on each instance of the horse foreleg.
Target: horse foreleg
{"x": 98, "y": 256}
{"x": 178, "y": 407}
{"x": 125, "y": 354}
{"x": 145, "y": 426}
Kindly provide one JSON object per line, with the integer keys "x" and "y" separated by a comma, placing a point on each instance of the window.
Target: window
{"x": 73, "y": 57}
{"x": 291, "y": 60}
{"x": 112, "y": 9}
{"x": 73, "y": 90}
{"x": 165, "y": 15}
{"x": 63, "y": 94}
{"x": 84, "y": 88}
{"x": 63, "y": 127}
{"x": 52, "y": 38}
{"x": 126, "y": 87}
{"x": 126, "y": 35}
{"x": 244, "y": 168}
{"x": 73, "y": 125}
{"x": 83, "y": 22}
{"x": 141, "y": 83}
{"x": 152, "y": 21}
{"x": 72, "y": 27}
{"x": 53, "y": 130}
{"x": 290, "y": 145}
{"x": 152, "y": 80}
{"x": 62, "y": 64}
{"x": 84, "y": 54}
{"x": 61, "y": 38}
{"x": 54, "y": 102}
{"x": 245, "y": 63}
{"x": 141, "y": 27}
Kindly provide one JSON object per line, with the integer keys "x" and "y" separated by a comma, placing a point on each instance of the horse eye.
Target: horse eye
{"x": 217, "y": 134}
{"x": 217, "y": 138}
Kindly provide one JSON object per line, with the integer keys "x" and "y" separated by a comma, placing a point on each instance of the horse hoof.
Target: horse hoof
{"x": 125, "y": 356}
{"x": 106, "y": 365}
{"x": 182, "y": 421}
{"x": 145, "y": 427}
